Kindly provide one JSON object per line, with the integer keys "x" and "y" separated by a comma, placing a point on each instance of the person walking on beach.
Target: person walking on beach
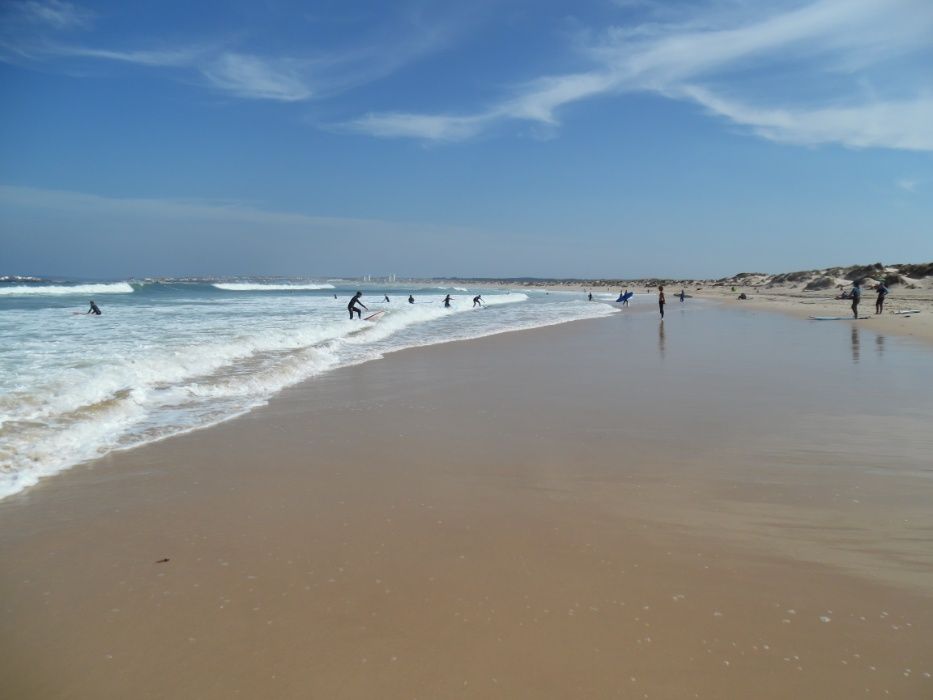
{"x": 625, "y": 297}
{"x": 478, "y": 301}
{"x": 856, "y": 297}
{"x": 411, "y": 299}
{"x": 93, "y": 310}
{"x": 661, "y": 300}
{"x": 352, "y": 306}
{"x": 447, "y": 301}
{"x": 682, "y": 295}
{"x": 882, "y": 293}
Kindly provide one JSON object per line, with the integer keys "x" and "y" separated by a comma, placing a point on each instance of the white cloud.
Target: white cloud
{"x": 53, "y": 13}
{"x": 254, "y": 77}
{"x": 678, "y": 59}
{"x": 907, "y": 185}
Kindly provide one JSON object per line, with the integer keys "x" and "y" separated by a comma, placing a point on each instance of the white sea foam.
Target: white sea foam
{"x": 180, "y": 358}
{"x": 251, "y": 287}
{"x": 68, "y": 289}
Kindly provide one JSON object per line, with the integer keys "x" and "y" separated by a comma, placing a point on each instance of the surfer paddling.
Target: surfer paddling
{"x": 93, "y": 310}
{"x": 352, "y": 306}
{"x": 661, "y": 300}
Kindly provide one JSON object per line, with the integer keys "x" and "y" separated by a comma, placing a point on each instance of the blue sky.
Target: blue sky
{"x": 516, "y": 137}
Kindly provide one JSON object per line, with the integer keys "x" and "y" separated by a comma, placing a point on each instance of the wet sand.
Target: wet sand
{"x": 731, "y": 504}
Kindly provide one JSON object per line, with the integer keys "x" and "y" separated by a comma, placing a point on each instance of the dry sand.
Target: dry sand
{"x": 517, "y": 516}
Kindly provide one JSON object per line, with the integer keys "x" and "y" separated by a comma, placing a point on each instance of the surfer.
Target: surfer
{"x": 661, "y": 300}
{"x": 411, "y": 299}
{"x": 590, "y": 296}
{"x": 625, "y": 297}
{"x": 386, "y": 298}
{"x": 93, "y": 310}
{"x": 478, "y": 301}
{"x": 447, "y": 300}
{"x": 856, "y": 297}
{"x": 882, "y": 293}
{"x": 682, "y": 296}
{"x": 352, "y": 306}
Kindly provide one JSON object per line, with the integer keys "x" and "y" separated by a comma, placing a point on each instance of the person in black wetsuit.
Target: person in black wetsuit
{"x": 411, "y": 299}
{"x": 352, "y": 306}
{"x": 386, "y": 298}
{"x": 590, "y": 296}
{"x": 661, "y": 300}
{"x": 478, "y": 301}
{"x": 682, "y": 295}
{"x": 882, "y": 293}
{"x": 447, "y": 300}
{"x": 93, "y": 310}
{"x": 856, "y": 297}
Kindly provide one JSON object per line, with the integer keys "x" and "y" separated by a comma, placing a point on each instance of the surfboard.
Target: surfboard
{"x": 623, "y": 297}
{"x": 837, "y": 318}
{"x": 376, "y": 316}
{"x": 907, "y": 311}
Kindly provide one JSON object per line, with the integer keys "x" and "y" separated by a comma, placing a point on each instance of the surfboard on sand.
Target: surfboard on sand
{"x": 837, "y": 318}
{"x": 907, "y": 311}
{"x": 376, "y": 316}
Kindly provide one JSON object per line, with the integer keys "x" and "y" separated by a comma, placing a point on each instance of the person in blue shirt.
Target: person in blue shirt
{"x": 882, "y": 293}
{"x": 856, "y": 297}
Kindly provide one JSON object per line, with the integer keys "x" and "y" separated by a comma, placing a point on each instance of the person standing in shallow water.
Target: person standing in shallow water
{"x": 856, "y": 297}
{"x": 352, "y": 306}
{"x": 411, "y": 299}
{"x": 478, "y": 300}
{"x": 447, "y": 301}
{"x": 661, "y": 300}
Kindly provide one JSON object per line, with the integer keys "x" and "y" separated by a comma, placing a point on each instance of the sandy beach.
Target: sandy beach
{"x": 730, "y": 504}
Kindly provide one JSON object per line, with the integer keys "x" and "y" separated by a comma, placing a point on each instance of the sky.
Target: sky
{"x": 594, "y": 138}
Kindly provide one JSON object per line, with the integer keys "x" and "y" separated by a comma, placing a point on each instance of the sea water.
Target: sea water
{"x": 172, "y": 356}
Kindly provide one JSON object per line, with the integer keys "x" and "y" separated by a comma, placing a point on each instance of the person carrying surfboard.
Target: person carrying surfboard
{"x": 352, "y": 306}
{"x": 93, "y": 310}
{"x": 856, "y": 297}
{"x": 478, "y": 301}
{"x": 661, "y": 300}
{"x": 682, "y": 296}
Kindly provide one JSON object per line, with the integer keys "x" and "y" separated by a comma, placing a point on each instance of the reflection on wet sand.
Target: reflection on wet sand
{"x": 855, "y": 345}
{"x": 879, "y": 344}
{"x": 661, "y": 338}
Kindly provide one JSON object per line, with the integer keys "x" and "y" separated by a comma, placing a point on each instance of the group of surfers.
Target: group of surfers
{"x": 355, "y": 303}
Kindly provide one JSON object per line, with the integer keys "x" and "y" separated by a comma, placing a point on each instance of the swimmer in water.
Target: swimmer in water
{"x": 352, "y": 306}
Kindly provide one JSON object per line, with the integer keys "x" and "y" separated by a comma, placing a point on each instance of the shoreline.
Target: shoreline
{"x": 471, "y": 518}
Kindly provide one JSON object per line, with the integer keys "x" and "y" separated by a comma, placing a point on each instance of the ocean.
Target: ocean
{"x": 170, "y": 356}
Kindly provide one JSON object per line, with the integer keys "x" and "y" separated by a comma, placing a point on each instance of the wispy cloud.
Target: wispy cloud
{"x": 705, "y": 58}
{"x": 51, "y": 13}
{"x": 254, "y": 77}
{"x": 33, "y": 32}
{"x": 907, "y": 185}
